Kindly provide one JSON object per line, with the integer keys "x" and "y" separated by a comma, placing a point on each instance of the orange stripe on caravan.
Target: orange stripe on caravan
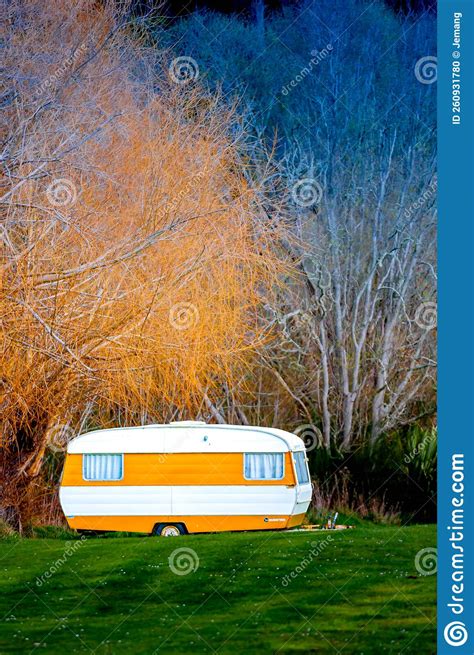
{"x": 192, "y": 523}
{"x": 176, "y": 469}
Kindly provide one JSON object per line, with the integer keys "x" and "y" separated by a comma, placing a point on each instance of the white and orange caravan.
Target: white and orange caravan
{"x": 185, "y": 477}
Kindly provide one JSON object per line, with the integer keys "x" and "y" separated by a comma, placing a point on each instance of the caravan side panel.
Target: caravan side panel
{"x": 191, "y": 501}
{"x": 186, "y": 469}
{"x": 233, "y": 500}
{"x": 115, "y": 501}
{"x": 192, "y": 523}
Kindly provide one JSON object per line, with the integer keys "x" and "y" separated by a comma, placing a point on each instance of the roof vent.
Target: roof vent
{"x": 188, "y": 423}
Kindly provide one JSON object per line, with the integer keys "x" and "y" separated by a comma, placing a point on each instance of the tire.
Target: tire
{"x": 169, "y": 530}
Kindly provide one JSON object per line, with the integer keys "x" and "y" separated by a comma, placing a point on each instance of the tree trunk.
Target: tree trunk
{"x": 258, "y": 10}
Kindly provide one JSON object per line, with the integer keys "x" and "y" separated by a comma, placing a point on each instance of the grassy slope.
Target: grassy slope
{"x": 359, "y": 594}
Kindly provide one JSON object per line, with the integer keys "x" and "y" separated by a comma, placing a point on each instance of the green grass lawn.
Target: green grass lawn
{"x": 351, "y": 591}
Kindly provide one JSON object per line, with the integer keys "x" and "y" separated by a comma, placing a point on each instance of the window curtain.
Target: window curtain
{"x": 264, "y": 466}
{"x": 102, "y": 467}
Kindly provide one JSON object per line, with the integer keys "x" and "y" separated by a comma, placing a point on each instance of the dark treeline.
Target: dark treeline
{"x": 248, "y": 8}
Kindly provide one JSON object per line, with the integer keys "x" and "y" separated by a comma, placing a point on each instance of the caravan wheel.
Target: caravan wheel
{"x": 168, "y": 530}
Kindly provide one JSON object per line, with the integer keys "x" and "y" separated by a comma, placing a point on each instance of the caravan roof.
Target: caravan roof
{"x": 185, "y": 437}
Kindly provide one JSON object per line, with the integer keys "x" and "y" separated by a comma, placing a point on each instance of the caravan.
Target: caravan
{"x": 185, "y": 477}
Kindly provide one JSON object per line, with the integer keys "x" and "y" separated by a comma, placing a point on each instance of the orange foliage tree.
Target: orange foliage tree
{"x": 132, "y": 258}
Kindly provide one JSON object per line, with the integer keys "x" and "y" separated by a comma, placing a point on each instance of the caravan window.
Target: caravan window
{"x": 263, "y": 466}
{"x": 102, "y": 467}
{"x": 301, "y": 466}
